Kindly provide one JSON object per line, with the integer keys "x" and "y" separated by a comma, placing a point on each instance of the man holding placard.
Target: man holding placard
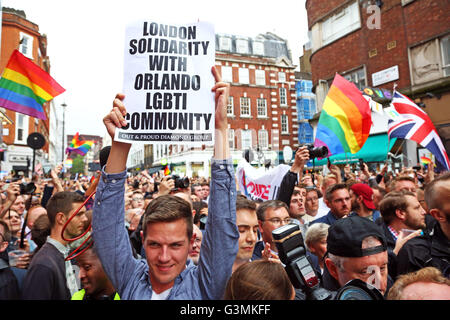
{"x": 167, "y": 226}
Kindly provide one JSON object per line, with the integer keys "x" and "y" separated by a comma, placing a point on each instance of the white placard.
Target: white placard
{"x": 167, "y": 83}
{"x": 384, "y": 76}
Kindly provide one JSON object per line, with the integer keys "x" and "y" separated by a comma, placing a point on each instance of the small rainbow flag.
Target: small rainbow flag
{"x": 345, "y": 120}
{"x": 25, "y": 87}
{"x": 166, "y": 170}
{"x": 68, "y": 163}
{"x": 425, "y": 160}
{"x": 79, "y": 146}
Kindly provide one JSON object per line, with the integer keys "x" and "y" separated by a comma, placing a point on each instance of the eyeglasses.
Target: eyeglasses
{"x": 138, "y": 199}
{"x": 278, "y": 221}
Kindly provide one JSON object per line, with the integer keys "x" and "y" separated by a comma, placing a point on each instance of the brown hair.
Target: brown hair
{"x": 431, "y": 192}
{"x": 428, "y": 274}
{"x": 244, "y": 203}
{"x": 168, "y": 208}
{"x": 330, "y": 190}
{"x": 391, "y": 202}
{"x": 275, "y": 204}
{"x": 6, "y": 233}
{"x": 62, "y": 202}
{"x": 259, "y": 280}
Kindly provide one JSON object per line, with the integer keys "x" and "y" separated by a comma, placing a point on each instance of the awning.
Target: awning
{"x": 374, "y": 150}
{"x": 155, "y": 169}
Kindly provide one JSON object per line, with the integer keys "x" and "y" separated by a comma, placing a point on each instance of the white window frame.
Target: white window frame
{"x": 260, "y": 77}
{"x": 284, "y": 124}
{"x": 261, "y": 108}
{"x": 283, "y": 96}
{"x": 231, "y": 140}
{"x": 230, "y": 106}
{"x": 263, "y": 139}
{"x": 244, "y": 77}
{"x": 21, "y": 125}
{"x": 282, "y": 76}
{"x": 227, "y": 74}
{"x": 26, "y": 47}
{"x": 258, "y": 48}
{"x": 445, "y": 64}
{"x": 246, "y": 107}
{"x": 341, "y": 23}
{"x": 225, "y": 43}
{"x": 246, "y": 139}
{"x": 242, "y": 46}
{"x": 355, "y": 77}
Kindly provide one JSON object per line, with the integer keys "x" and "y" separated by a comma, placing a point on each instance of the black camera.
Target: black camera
{"x": 180, "y": 183}
{"x": 27, "y": 188}
{"x": 292, "y": 253}
{"x": 317, "y": 152}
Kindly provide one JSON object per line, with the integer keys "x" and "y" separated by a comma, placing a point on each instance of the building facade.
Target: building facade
{"x": 385, "y": 43}
{"x": 262, "y": 107}
{"x": 19, "y": 33}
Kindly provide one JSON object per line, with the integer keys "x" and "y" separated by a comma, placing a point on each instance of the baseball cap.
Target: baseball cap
{"x": 345, "y": 237}
{"x": 362, "y": 189}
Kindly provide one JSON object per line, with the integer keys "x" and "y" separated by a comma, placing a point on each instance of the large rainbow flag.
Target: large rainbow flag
{"x": 79, "y": 146}
{"x": 345, "y": 120}
{"x": 25, "y": 87}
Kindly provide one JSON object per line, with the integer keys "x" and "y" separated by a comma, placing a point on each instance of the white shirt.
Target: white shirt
{"x": 161, "y": 296}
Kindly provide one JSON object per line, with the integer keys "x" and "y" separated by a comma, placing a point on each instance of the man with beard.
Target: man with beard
{"x": 49, "y": 276}
{"x": 337, "y": 198}
{"x": 433, "y": 248}
{"x": 194, "y": 252}
{"x": 362, "y": 201}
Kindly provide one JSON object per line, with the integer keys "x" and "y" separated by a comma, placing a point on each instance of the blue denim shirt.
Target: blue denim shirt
{"x": 130, "y": 276}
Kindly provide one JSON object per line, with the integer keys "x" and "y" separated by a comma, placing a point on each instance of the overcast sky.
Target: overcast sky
{"x": 86, "y": 41}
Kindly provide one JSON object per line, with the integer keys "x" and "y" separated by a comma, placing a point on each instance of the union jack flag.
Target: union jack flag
{"x": 416, "y": 125}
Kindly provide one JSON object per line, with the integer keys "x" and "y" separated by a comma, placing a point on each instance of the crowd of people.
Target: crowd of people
{"x": 143, "y": 237}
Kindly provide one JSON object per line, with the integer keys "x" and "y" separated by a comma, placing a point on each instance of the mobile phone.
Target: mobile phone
{"x": 328, "y": 163}
{"x": 361, "y": 164}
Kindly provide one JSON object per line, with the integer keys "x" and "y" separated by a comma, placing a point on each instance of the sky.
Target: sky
{"x": 86, "y": 41}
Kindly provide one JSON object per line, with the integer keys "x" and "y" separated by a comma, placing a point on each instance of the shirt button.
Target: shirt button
{"x": 221, "y": 167}
{"x": 98, "y": 202}
{"x": 113, "y": 181}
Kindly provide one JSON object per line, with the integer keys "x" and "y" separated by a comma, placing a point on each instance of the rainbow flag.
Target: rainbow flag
{"x": 79, "y": 146}
{"x": 25, "y": 87}
{"x": 345, "y": 120}
{"x": 425, "y": 160}
{"x": 166, "y": 170}
{"x": 68, "y": 163}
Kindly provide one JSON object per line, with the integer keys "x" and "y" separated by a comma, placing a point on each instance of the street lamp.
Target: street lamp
{"x": 64, "y": 105}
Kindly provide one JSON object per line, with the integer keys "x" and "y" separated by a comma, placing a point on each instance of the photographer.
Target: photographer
{"x": 356, "y": 249}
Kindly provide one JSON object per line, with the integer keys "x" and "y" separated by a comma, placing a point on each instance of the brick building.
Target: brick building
{"x": 262, "y": 108}
{"x": 379, "y": 43}
{"x": 19, "y": 33}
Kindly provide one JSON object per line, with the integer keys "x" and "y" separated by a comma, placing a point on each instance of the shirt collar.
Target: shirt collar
{"x": 61, "y": 248}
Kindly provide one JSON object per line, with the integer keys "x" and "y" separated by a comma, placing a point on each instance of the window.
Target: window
{"x": 243, "y": 76}
{"x": 230, "y": 107}
{"x": 263, "y": 139}
{"x": 284, "y": 124}
{"x": 261, "y": 105}
{"x": 242, "y": 46}
{"x": 246, "y": 141}
{"x": 445, "y": 50}
{"x": 26, "y": 45}
{"x": 225, "y": 43}
{"x": 231, "y": 138}
{"x": 283, "y": 100}
{"x": 258, "y": 48}
{"x": 227, "y": 74}
{"x": 245, "y": 107}
{"x": 281, "y": 77}
{"x": 358, "y": 77}
{"x": 21, "y": 128}
{"x": 260, "y": 77}
{"x": 341, "y": 23}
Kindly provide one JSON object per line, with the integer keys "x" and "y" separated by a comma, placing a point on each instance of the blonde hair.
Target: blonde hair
{"x": 428, "y": 274}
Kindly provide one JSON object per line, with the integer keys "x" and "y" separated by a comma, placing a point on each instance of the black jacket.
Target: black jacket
{"x": 430, "y": 250}
{"x": 46, "y": 276}
{"x": 9, "y": 287}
